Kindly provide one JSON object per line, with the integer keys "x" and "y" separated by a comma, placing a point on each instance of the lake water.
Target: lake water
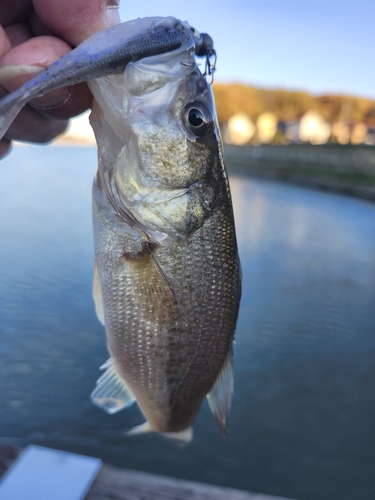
{"x": 302, "y": 421}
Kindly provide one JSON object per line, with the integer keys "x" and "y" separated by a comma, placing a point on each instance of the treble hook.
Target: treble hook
{"x": 210, "y": 67}
{"x": 205, "y": 48}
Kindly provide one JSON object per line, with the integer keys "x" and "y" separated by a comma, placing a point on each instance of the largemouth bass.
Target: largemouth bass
{"x": 167, "y": 279}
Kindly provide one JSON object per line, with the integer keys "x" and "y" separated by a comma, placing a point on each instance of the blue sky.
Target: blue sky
{"x": 319, "y": 46}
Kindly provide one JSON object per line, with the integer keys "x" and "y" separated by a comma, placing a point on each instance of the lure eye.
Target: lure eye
{"x": 198, "y": 118}
{"x": 195, "y": 32}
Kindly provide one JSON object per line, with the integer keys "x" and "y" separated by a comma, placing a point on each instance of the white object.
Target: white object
{"x": 314, "y": 129}
{"x": 46, "y": 474}
{"x": 267, "y": 127}
{"x": 240, "y": 129}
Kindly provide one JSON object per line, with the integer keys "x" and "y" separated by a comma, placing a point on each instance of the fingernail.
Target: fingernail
{"x": 14, "y": 76}
{"x": 53, "y": 99}
{"x": 112, "y": 12}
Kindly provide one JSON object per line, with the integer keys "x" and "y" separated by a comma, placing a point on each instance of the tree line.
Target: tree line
{"x": 290, "y": 105}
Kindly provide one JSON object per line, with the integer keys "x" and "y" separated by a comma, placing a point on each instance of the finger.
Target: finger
{"x": 39, "y": 28}
{"x": 4, "y": 147}
{"x": 31, "y": 126}
{"x": 78, "y": 99}
{"x": 18, "y": 33}
{"x": 14, "y": 11}
{"x": 76, "y": 20}
{"x": 40, "y": 51}
{"x": 5, "y": 44}
{"x": 27, "y": 60}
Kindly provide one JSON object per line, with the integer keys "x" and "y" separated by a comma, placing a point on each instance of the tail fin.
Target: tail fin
{"x": 10, "y": 106}
{"x": 181, "y": 437}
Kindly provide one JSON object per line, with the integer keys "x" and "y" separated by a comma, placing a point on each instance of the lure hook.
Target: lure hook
{"x": 205, "y": 48}
{"x": 210, "y": 67}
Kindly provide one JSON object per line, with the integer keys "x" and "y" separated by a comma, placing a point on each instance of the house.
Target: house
{"x": 239, "y": 129}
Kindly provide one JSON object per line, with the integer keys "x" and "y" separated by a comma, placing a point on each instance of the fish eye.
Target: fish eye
{"x": 198, "y": 118}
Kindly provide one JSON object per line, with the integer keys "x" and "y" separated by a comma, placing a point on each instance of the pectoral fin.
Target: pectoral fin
{"x": 220, "y": 396}
{"x": 97, "y": 294}
{"x": 111, "y": 392}
{"x": 151, "y": 289}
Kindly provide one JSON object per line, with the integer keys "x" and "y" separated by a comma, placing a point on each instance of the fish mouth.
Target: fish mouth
{"x": 104, "y": 53}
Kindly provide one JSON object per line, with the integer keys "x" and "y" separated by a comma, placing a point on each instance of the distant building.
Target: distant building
{"x": 266, "y": 127}
{"x": 359, "y": 133}
{"x": 313, "y": 128}
{"x": 370, "y": 136}
{"x": 341, "y": 131}
{"x": 239, "y": 129}
{"x": 291, "y": 130}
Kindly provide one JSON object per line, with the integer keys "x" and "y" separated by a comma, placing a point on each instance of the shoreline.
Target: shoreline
{"x": 314, "y": 167}
{"x": 300, "y": 165}
{"x": 301, "y": 180}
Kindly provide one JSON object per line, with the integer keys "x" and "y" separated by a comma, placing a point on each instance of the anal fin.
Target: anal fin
{"x": 111, "y": 392}
{"x": 220, "y": 396}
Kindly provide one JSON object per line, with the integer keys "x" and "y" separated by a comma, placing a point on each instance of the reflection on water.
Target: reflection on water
{"x": 302, "y": 417}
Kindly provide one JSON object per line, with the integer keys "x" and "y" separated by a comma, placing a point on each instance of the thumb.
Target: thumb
{"x": 76, "y": 20}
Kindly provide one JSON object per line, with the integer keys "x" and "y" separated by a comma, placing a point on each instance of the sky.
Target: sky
{"x": 321, "y": 46}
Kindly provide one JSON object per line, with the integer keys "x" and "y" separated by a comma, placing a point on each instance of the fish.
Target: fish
{"x": 167, "y": 275}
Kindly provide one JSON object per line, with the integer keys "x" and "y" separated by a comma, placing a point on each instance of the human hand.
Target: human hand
{"x": 33, "y": 35}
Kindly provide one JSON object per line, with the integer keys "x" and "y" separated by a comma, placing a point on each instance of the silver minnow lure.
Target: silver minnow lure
{"x": 167, "y": 278}
{"x": 104, "y": 53}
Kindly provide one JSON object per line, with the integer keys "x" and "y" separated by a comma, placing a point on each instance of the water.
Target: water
{"x": 302, "y": 422}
